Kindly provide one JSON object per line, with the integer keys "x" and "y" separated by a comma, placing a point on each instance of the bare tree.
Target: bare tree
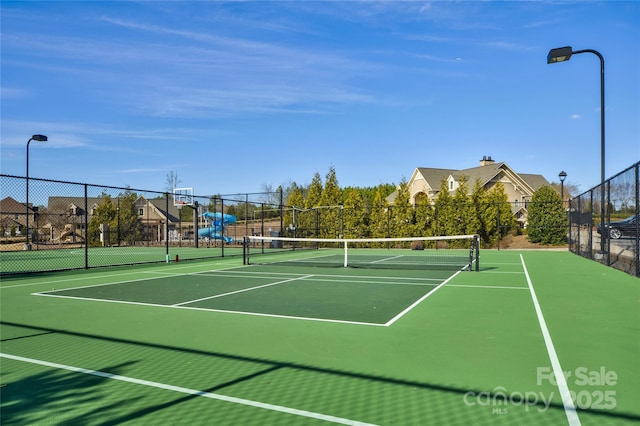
{"x": 172, "y": 181}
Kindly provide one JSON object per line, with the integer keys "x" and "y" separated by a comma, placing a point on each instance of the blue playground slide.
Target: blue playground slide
{"x": 218, "y": 223}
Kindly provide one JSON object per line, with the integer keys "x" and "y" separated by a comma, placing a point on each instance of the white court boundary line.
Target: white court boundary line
{"x": 211, "y": 395}
{"x": 225, "y": 311}
{"x": 243, "y": 290}
{"x": 500, "y": 287}
{"x": 233, "y": 273}
{"x": 297, "y": 277}
{"x": 567, "y": 402}
{"x": 417, "y": 302}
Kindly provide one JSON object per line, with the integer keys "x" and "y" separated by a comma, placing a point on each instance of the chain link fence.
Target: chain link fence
{"x": 609, "y": 233}
{"x": 80, "y": 226}
{"x": 69, "y": 225}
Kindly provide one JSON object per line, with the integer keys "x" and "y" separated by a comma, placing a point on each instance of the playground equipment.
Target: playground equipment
{"x": 218, "y": 223}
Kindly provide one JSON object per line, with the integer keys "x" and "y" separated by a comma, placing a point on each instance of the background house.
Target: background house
{"x": 13, "y": 215}
{"x": 426, "y": 182}
{"x": 65, "y": 217}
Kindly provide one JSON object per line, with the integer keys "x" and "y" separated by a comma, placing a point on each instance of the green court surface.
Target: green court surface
{"x": 215, "y": 342}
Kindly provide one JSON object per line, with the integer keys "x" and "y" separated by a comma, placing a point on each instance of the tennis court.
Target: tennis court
{"x": 297, "y": 342}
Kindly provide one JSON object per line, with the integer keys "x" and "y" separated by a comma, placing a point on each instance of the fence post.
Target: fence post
{"x": 86, "y": 227}
{"x": 166, "y": 226}
{"x": 195, "y": 223}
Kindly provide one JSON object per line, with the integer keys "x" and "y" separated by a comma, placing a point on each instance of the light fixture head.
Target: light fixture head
{"x": 559, "y": 54}
{"x": 39, "y": 138}
{"x": 562, "y": 175}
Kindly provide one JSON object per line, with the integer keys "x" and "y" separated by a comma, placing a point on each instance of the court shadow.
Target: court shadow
{"x": 366, "y": 397}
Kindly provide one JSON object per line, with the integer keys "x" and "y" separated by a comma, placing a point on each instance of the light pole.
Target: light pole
{"x": 562, "y": 54}
{"x": 562, "y": 175}
{"x": 37, "y": 138}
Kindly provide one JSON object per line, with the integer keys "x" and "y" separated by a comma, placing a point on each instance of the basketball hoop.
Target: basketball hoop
{"x": 182, "y": 197}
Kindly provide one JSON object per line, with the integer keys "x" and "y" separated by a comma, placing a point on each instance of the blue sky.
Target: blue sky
{"x": 234, "y": 96}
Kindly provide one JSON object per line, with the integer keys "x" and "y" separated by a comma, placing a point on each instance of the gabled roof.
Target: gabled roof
{"x": 535, "y": 181}
{"x": 485, "y": 174}
{"x": 9, "y": 205}
{"x": 435, "y": 176}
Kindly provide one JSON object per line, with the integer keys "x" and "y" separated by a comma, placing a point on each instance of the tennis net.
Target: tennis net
{"x": 459, "y": 252}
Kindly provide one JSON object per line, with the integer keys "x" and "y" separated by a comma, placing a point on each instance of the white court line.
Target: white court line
{"x": 163, "y": 275}
{"x": 414, "y": 304}
{"x": 260, "y": 314}
{"x": 488, "y": 286}
{"x": 341, "y": 281}
{"x": 81, "y": 278}
{"x": 386, "y": 259}
{"x": 192, "y": 308}
{"x": 325, "y": 275}
{"x": 327, "y": 278}
{"x": 242, "y": 290}
{"x": 567, "y": 402}
{"x": 46, "y": 292}
{"x": 195, "y": 392}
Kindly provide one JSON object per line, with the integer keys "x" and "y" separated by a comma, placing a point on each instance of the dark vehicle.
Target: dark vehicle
{"x": 622, "y": 227}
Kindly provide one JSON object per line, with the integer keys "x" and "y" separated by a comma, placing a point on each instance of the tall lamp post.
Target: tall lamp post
{"x": 562, "y": 175}
{"x": 37, "y": 138}
{"x": 562, "y": 54}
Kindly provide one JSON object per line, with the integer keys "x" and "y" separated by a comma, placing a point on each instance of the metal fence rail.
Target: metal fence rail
{"x": 618, "y": 244}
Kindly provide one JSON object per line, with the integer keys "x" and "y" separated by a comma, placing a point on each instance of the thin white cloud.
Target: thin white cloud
{"x": 576, "y": 116}
{"x": 505, "y": 45}
{"x": 71, "y": 135}
{"x": 209, "y": 74}
{"x": 149, "y": 169}
{"x": 440, "y": 59}
{"x": 13, "y": 93}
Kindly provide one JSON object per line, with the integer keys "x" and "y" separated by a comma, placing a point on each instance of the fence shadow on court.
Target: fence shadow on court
{"x": 57, "y": 393}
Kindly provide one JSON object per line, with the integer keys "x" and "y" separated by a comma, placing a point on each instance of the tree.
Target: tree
{"x": 128, "y": 225}
{"x": 499, "y": 218}
{"x": 172, "y": 181}
{"x": 354, "y": 214}
{"x": 402, "y": 213}
{"x": 308, "y": 220}
{"x": 294, "y": 206}
{"x": 331, "y": 206}
{"x": 103, "y": 217}
{"x": 424, "y": 218}
{"x": 463, "y": 220}
{"x": 368, "y": 193}
{"x": 379, "y": 220}
{"x": 444, "y": 211}
{"x": 547, "y": 218}
{"x": 272, "y": 196}
{"x": 315, "y": 192}
{"x": 481, "y": 211}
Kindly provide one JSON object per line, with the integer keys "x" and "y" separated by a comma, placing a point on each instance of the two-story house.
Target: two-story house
{"x": 426, "y": 182}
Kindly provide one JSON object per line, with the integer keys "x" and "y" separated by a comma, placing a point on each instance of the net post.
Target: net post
{"x": 474, "y": 253}
{"x": 477, "y": 238}
{"x": 346, "y": 256}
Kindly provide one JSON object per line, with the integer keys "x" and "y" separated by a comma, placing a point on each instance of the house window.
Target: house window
{"x": 450, "y": 185}
{"x": 516, "y": 203}
{"x": 141, "y": 212}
